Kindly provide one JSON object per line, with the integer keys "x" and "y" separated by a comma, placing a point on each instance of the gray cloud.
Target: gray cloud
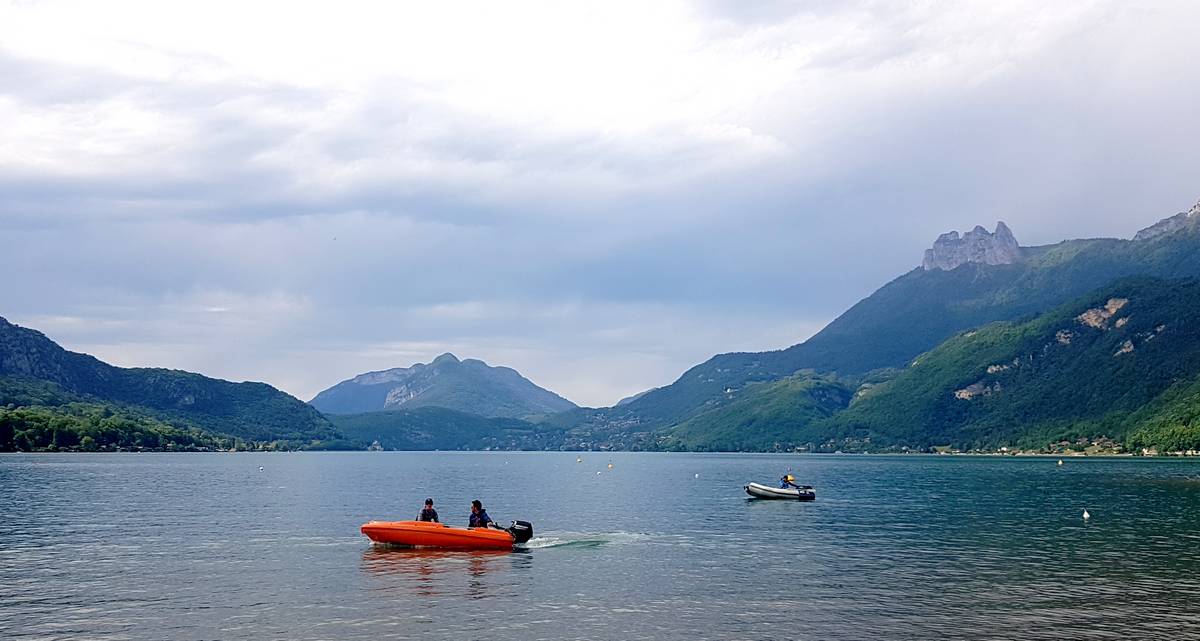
{"x": 210, "y": 218}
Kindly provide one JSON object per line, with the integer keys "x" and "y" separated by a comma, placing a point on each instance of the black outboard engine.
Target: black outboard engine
{"x": 522, "y": 531}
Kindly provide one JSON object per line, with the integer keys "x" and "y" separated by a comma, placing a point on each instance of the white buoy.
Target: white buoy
{"x": 610, "y": 466}
{"x": 697, "y": 475}
{"x": 1060, "y": 461}
{"x": 599, "y": 473}
{"x": 260, "y": 468}
{"x": 578, "y": 459}
{"x": 1086, "y": 516}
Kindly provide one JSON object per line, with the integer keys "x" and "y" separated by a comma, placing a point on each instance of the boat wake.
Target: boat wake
{"x": 578, "y": 540}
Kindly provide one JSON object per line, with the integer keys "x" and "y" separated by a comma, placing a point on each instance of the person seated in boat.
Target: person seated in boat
{"x": 479, "y": 516}
{"x": 788, "y": 481}
{"x": 428, "y": 513}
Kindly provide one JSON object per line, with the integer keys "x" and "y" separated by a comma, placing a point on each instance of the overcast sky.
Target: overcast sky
{"x": 599, "y": 194}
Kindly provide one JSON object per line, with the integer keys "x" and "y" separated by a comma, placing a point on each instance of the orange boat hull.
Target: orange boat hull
{"x": 424, "y": 534}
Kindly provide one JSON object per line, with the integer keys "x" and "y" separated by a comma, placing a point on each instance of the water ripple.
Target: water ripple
{"x": 112, "y": 547}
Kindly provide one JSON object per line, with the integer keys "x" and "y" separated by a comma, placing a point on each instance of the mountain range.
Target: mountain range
{"x": 986, "y": 344}
{"x": 961, "y": 285}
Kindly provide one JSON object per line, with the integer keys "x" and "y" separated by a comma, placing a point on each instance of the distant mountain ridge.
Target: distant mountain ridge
{"x": 470, "y": 386}
{"x": 252, "y": 411}
{"x": 904, "y": 318}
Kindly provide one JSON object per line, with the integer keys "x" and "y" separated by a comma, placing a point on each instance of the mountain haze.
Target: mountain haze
{"x": 470, "y": 386}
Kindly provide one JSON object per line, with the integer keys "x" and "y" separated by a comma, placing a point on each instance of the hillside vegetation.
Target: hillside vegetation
{"x": 770, "y": 416}
{"x": 38, "y": 416}
{"x": 1121, "y": 362}
{"x": 253, "y": 412}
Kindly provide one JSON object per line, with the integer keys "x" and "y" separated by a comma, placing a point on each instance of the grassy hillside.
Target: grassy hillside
{"x": 1121, "y": 362}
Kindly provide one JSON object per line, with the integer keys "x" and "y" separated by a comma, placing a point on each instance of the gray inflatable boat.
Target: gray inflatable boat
{"x": 760, "y": 491}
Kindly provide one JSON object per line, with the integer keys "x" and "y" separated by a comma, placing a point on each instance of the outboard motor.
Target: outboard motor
{"x": 522, "y": 531}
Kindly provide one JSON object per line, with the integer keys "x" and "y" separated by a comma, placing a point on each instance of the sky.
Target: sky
{"x": 598, "y": 194}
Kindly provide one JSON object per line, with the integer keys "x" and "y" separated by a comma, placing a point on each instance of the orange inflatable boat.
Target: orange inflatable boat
{"x": 425, "y": 534}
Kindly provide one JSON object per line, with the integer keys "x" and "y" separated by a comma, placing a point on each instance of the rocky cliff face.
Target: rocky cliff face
{"x": 976, "y": 246}
{"x": 1170, "y": 225}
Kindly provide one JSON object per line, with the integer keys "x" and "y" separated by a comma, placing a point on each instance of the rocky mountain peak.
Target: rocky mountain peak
{"x": 1170, "y": 225}
{"x": 445, "y": 359}
{"x": 976, "y": 246}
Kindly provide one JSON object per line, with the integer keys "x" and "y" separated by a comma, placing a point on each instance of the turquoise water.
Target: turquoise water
{"x": 208, "y": 546}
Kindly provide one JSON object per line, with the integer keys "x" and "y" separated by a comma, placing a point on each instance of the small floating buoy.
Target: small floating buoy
{"x": 610, "y": 466}
{"x": 1060, "y": 461}
{"x": 697, "y": 475}
{"x": 578, "y": 459}
{"x": 1086, "y": 516}
{"x": 598, "y": 473}
{"x": 260, "y": 468}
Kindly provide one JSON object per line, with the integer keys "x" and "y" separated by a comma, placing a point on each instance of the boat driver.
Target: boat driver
{"x": 479, "y": 516}
{"x": 787, "y": 481}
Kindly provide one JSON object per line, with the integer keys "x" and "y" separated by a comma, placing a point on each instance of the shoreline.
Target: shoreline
{"x": 1029, "y": 455}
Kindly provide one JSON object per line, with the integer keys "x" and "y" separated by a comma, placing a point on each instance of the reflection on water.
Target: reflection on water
{"x": 385, "y": 560}
{"x": 431, "y": 572}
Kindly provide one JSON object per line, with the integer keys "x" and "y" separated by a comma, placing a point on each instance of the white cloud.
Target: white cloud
{"x": 405, "y": 89}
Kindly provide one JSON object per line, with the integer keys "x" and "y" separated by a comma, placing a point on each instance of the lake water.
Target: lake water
{"x": 207, "y": 546}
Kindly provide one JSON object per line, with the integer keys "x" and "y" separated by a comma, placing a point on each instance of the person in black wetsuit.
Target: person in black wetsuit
{"x": 428, "y": 513}
{"x": 479, "y": 516}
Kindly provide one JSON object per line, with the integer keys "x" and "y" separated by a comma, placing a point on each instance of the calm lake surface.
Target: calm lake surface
{"x": 207, "y": 546}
